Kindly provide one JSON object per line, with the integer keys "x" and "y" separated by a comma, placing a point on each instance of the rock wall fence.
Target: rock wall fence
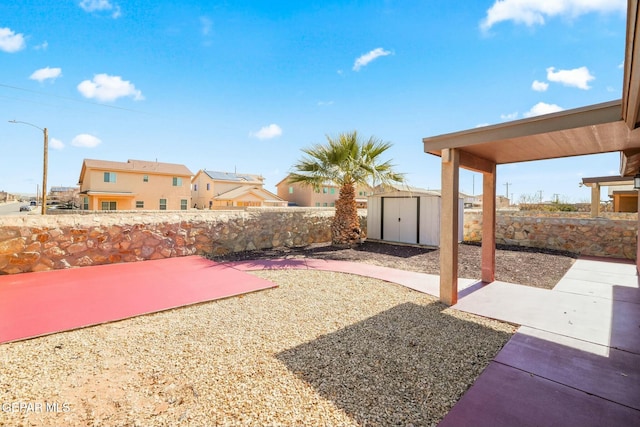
{"x": 37, "y": 243}
{"x": 572, "y": 232}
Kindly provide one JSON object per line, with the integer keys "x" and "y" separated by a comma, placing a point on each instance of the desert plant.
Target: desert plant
{"x": 346, "y": 161}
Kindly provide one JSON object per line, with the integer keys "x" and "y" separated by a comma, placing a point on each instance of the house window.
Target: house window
{"x": 109, "y": 206}
{"x": 324, "y": 204}
{"x": 332, "y": 204}
{"x": 325, "y": 190}
{"x": 333, "y": 191}
{"x": 290, "y": 190}
{"x": 195, "y": 187}
{"x": 163, "y": 204}
{"x": 85, "y": 203}
{"x": 145, "y": 178}
{"x": 139, "y": 204}
{"x": 183, "y": 204}
{"x": 208, "y": 186}
{"x": 177, "y": 181}
{"x": 317, "y": 204}
{"x": 109, "y": 177}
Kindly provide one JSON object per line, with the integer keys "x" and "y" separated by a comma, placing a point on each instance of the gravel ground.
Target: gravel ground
{"x": 323, "y": 348}
{"x": 540, "y": 268}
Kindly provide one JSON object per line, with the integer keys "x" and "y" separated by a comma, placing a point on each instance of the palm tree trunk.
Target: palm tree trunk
{"x": 345, "y": 229}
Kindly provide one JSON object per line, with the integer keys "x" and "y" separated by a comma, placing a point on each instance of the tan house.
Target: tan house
{"x": 134, "y": 185}
{"x": 224, "y": 190}
{"x": 303, "y": 195}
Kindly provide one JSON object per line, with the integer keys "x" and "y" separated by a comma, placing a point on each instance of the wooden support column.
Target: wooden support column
{"x": 595, "y": 200}
{"x": 638, "y": 241}
{"x": 449, "y": 226}
{"x": 489, "y": 225}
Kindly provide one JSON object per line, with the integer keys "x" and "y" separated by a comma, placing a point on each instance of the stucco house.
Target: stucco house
{"x": 224, "y": 190}
{"x": 134, "y": 185}
{"x": 303, "y": 195}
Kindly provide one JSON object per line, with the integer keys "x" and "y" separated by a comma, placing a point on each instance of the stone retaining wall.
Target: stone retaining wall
{"x": 36, "y": 243}
{"x": 585, "y": 236}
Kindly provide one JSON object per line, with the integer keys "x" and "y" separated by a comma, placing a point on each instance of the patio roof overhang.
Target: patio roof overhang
{"x": 588, "y": 130}
{"x": 607, "y": 181}
{"x": 601, "y": 128}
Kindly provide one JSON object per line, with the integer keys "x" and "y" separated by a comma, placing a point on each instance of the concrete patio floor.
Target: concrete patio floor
{"x": 575, "y": 360}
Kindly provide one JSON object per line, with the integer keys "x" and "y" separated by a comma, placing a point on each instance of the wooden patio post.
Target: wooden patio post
{"x": 595, "y": 200}
{"x": 488, "y": 265}
{"x": 449, "y": 226}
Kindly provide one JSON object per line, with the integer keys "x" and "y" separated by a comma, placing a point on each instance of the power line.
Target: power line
{"x": 80, "y": 101}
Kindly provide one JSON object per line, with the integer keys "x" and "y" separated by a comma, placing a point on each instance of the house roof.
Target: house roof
{"x": 607, "y": 127}
{"x": 234, "y": 177}
{"x": 138, "y": 166}
{"x": 244, "y": 190}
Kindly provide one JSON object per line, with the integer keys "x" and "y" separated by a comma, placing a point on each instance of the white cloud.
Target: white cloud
{"x": 104, "y": 87}
{"x": 363, "y": 60}
{"x": 46, "y": 74}
{"x": 542, "y": 108}
{"x": 534, "y": 12}
{"x": 42, "y": 46}
{"x": 56, "y": 144}
{"x": 509, "y": 116}
{"x": 101, "y": 6}
{"x": 10, "y": 41}
{"x": 267, "y": 132}
{"x": 85, "y": 140}
{"x": 205, "y": 25}
{"x": 539, "y": 86}
{"x": 578, "y": 77}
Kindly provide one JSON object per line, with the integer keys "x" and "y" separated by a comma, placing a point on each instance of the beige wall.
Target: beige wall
{"x": 149, "y": 193}
{"x": 306, "y": 196}
{"x": 625, "y": 202}
{"x": 201, "y": 196}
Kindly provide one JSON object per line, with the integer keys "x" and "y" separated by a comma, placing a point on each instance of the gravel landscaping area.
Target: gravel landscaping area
{"x": 321, "y": 349}
{"x": 540, "y": 268}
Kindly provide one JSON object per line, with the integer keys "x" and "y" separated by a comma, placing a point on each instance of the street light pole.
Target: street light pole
{"x": 45, "y": 162}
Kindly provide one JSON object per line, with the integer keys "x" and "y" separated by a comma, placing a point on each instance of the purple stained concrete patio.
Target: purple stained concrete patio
{"x": 575, "y": 361}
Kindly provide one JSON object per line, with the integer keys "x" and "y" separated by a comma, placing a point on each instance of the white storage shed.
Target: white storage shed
{"x": 408, "y": 216}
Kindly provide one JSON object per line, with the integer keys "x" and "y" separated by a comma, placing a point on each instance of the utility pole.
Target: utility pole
{"x": 556, "y": 196}
{"x": 540, "y": 195}
{"x": 45, "y": 162}
{"x": 507, "y": 184}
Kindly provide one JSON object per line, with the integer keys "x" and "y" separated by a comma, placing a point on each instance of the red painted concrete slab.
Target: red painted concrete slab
{"x": 34, "y": 304}
{"x": 595, "y": 369}
{"x": 505, "y": 397}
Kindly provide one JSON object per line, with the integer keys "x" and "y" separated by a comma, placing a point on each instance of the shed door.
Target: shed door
{"x": 400, "y": 219}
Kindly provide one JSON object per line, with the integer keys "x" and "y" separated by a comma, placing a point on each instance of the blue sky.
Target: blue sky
{"x": 244, "y": 85}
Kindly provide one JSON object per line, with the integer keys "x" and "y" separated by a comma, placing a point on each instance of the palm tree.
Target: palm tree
{"x": 346, "y": 161}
